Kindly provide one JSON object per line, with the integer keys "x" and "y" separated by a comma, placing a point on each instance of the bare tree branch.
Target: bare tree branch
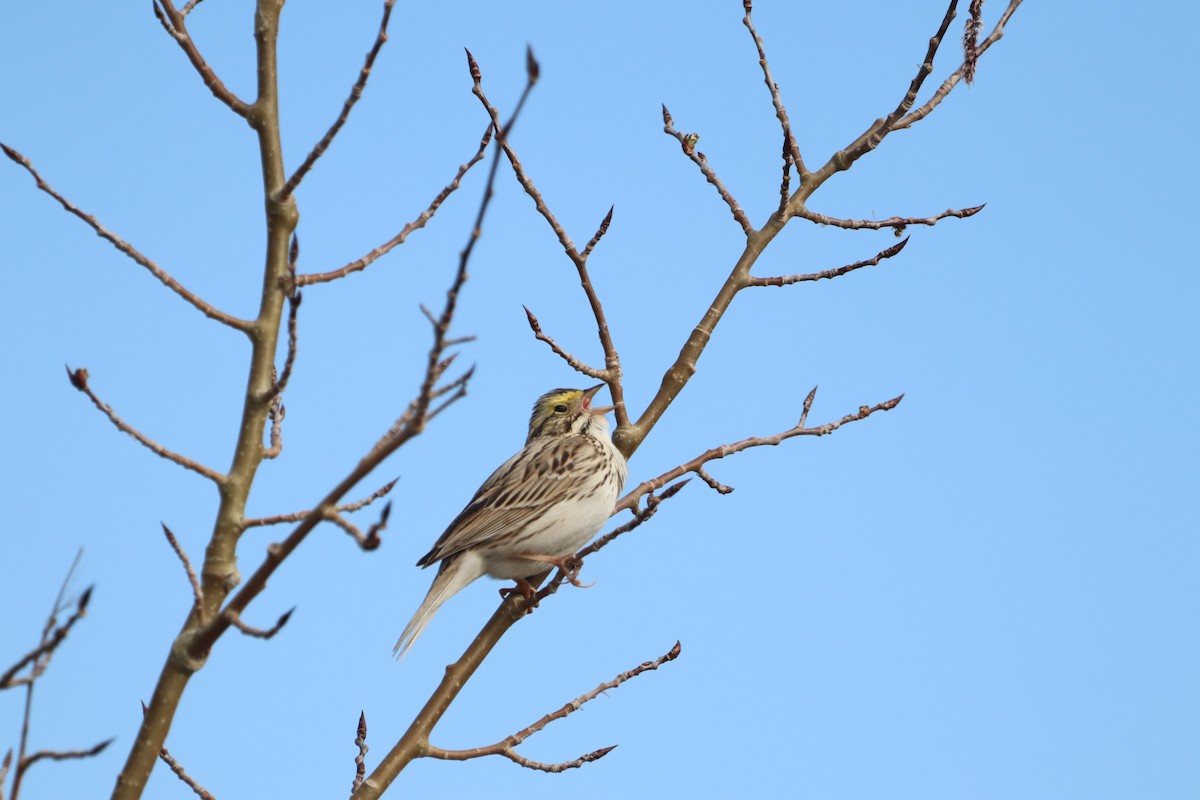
{"x": 572, "y": 361}
{"x": 79, "y": 379}
{"x": 258, "y": 633}
{"x": 188, "y": 780}
{"x": 631, "y": 498}
{"x": 787, "y": 280}
{"x": 355, "y": 93}
{"x": 370, "y": 540}
{"x": 416, "y": 224}
{"x": 874, "y": 135}
{"x": 688, "y": 143}
{"x": 791, "y": 150}
{"x": 898, "y": 223}
{"x": 948, "y": 85}
{"x": 129, "y": 250}
{"x": 507, "y": 747}
{"x": 53, "y": 635}
{"x": 343, "y": 508}
{"x": 197, "y": 592}
{"x": 175, "y": 25}
{"x": 612, "y": 361}
{"x": 640, "y": 515}
{"x": 65, "y": 755}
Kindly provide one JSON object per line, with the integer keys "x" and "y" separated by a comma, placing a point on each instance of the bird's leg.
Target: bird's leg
{"x": 526, "y": 590}
{"x": 570, "y": 566}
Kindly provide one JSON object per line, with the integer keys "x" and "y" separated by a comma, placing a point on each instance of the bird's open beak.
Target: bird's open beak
{"x": 588, "y": 394}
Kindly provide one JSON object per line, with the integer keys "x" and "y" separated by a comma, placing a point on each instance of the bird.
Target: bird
{"x": 537, "y": 509}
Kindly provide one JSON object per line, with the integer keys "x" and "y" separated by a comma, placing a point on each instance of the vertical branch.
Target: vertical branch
{"x": 219, "y": 574}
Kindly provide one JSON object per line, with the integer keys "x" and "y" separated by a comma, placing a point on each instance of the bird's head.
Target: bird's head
{"x": 562, "y": 412}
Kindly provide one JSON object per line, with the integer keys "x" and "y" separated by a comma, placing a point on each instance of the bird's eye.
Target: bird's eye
{"x": 560, "y": 409}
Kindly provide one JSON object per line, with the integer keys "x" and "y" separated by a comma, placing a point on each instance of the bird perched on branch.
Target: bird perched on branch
{"x": 536, "y": 510}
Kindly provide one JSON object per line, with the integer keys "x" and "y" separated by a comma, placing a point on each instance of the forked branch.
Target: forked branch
{"x": 695, "y": 465}
{"x": 175, "y": 24}
{"x": 611, "y": 374}
{"x": 507, "y": 746}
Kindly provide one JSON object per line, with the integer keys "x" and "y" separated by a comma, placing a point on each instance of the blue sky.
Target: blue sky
{"x": 989, "y": 592}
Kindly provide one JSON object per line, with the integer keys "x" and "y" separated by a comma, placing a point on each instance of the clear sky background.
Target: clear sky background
{"x": 989, "y": 592}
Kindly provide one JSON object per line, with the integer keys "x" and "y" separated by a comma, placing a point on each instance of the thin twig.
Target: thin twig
{"x": 296, "y": 516}
{"x": 640, "y": 515}
{"x": 258, "y": 633}
{"x": 355, "y": 93}
{"x": 712, "y": 482}
{"x": 507, "y": 746}
{"x": 787, "y": 280}
{"x": 187, "y": 8}
{"x": 948, "y": 85}
{"x": 791, "y": 150}
{"x": 191, "y": 782}
{"x": 369, "y": 540}
{"x": 612, "y": 360}
{"x": 129, "y": 250}
{"x": 572, "y": 361}
{"x": 79, "y": 379}
{"x": 52, "y": 636}
{"x": 65, "y": 755}
{"x": 197, "y": 592}
{"x": 175, "y": 25}
{"x": 688, "y": 143}
{"x": 416, "y": 224}
{"x": 899, "y": 223}
{"x": 631, "y": 498}
{"x": 871, "y": 138}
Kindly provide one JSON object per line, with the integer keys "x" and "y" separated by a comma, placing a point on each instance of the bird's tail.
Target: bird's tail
{"x": 454, "y": 574}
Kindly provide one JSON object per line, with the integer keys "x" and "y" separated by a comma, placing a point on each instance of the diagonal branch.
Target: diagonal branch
{"x": 258, "y": 633}
{"x": 631, "y": 498}
{"x": 416, "y": 224}
{"x": 296, "y": 516}
{"x": 411, "y": 423}
{"x": 874, "y": 135}
{"x": 64, "y": 755}
{"x": 898, "y": 223}
{"x": 948, "y": 85}
{"x": 52, "y": 637}
{"x": 791, "y": 150}
{"x": 369, "y": 540}
{"x": 175, "y": 25}
{"x": 787, "y": 280}
{"x": 180, "y": 773}
{"x": 125, "y": 247}
{"x": 355, "y": 93}
{"x": 79, "y": 379}
{"x": 688, "y": 143}
{"x": 572, "y": 361}
{"x": 197, "y": 592}
{"x": 612, "y": 361}
{"x": 507, "y": 746}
